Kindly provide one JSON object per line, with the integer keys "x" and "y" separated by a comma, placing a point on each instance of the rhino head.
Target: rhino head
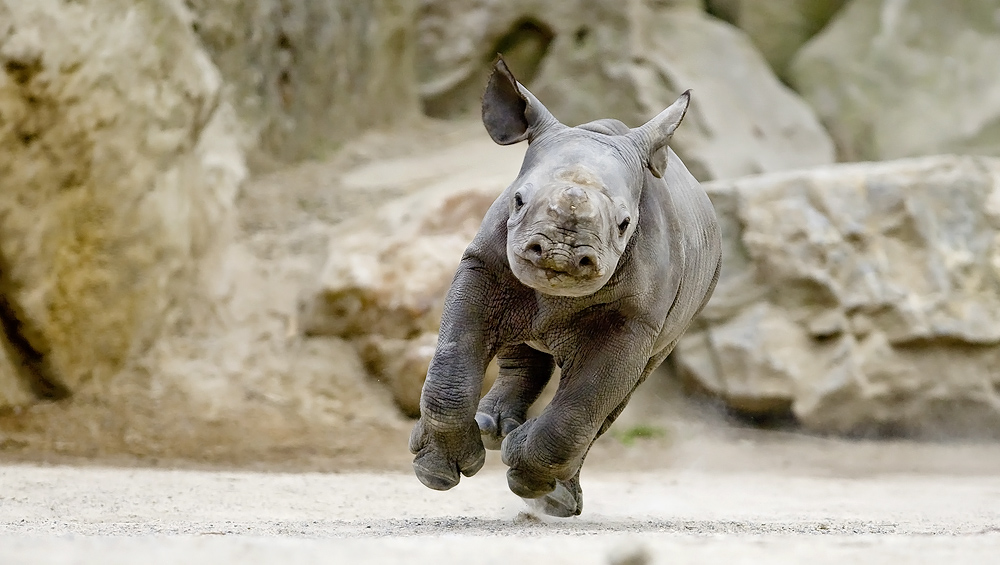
{"x": 575, "y": 204}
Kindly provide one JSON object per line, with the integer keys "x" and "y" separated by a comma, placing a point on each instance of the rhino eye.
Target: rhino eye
{"x": 624, "y": 225}
{"x": 518, "y": 201}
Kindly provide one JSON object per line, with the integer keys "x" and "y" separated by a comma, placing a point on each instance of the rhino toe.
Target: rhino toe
{"x": 564, "y": 501}
{"x": 493, "y": 432}
{"x": 489, "y": 430}
{"x": 434, "y": 474}
{"x": 527, "y": 485}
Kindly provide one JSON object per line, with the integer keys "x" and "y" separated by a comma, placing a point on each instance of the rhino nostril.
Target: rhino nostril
{"x": 536, "y": 249}
{"x": 585, "y": 261}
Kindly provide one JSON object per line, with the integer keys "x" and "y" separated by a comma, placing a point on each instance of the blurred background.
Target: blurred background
{"x": 227, "y": 226}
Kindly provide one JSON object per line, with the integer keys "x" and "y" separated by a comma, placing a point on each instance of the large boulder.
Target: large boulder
{"x": 306, "y": 76}
{"x": 587, "y": 60}
{"x": 387, "y": 272}
{"x": 777, "y": 27}
{"x": 862, "y": 298}
{"x": 118, "y": 169}
{"x": 898, "y": 79}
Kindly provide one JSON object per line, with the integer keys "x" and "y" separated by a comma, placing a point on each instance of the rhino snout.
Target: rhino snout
{"x": 543, "y": 253}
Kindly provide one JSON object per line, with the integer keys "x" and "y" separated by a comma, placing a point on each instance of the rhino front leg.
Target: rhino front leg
{"x": 445, "y": 440}
{"x": 545, "y": 454}
{"x": 524, "y": 372}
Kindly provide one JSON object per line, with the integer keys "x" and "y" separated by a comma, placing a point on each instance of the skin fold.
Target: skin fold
{"x": 596, "y": 258}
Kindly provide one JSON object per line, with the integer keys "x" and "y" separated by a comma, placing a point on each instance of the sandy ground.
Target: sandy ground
{"x": 105, "y": 515}
{"x": 702, "y": 489}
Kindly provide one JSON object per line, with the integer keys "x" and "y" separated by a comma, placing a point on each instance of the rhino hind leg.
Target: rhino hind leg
{"x": 566, "y": 499}
{"x": 524, "y": 372}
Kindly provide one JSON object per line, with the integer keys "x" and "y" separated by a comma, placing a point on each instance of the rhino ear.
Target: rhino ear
{"x": 511, "y": 113}
{"x": 653, "y": 136}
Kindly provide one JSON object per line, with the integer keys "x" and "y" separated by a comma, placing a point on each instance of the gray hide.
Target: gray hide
{"x": 596, "y": 259}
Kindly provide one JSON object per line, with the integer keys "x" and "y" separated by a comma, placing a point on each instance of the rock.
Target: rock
{"x": 384, "y": 282}
{"x": 402, "y": 365}
{"x": 230, "y": 379}
{"x": 629, "y": 60}
{"x": 862, "y": 298}
{"x": 307, "y": 76}
{"x": 125, "y": 279}
{"x": 118, "y": 169}
{"x": 895, "y": 79}
{"x": 743, "y": 120}
{"x": 778, "y": 28}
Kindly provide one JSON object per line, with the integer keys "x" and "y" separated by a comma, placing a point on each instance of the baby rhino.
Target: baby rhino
{"x": 596, "y": 259}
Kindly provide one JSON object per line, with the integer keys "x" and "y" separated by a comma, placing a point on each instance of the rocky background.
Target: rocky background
{"x": 226, "y": 226}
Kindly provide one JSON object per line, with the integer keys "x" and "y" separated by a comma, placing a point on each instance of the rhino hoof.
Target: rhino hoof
{"x": 435, "y": 476}
{"x": 522, "y": 486}
{"x": 562, "y": 502}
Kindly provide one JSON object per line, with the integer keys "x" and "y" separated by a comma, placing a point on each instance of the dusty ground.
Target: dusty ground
{"x": 685, "y": 513}
{"x": 700, "y": 490}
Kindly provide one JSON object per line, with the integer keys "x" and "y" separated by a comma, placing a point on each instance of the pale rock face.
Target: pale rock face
{"x": 864, "y": 298}
{"x": 402, "y": 364}
{"x": 305, "y": 76}
{"x": 125, "y": 280}
{"x": 118, "y": 170}
{"x": 627, "y": 60}
{"x": 892, "y": 78}
{"x": 778, "y": 28}
{"x": 744, "y": 120}
{"x": 385, "y": 280}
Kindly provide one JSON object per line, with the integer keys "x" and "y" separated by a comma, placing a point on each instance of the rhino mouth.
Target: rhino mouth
{"x": 551, "y": 272}
{"x": 556, "y": 281}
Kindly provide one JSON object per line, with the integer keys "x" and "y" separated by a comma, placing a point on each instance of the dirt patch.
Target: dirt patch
{"x": 99, "y": 515}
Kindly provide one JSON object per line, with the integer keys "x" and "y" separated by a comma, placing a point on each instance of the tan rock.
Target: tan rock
{"x": 777, "y": 27}
{"x": 307, "y": 76}
{"x": 863, "y": 298}
{"x": 387, "y": 273}
{"x": 743, "y": 119}
{"x": 402, "y": 364}
{"x": 628, "y": 60}
{"x": 895, "y": 79}
{"x": 118, "y": 169}
{"x": 125, "y": 275}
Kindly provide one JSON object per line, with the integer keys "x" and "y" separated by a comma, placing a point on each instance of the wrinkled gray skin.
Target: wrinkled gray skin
{"x": 596, "y": 258}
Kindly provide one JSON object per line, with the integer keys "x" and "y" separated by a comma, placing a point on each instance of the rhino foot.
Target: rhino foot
{"x": 566, "y": 500}
{"x": 442, "y": 456}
